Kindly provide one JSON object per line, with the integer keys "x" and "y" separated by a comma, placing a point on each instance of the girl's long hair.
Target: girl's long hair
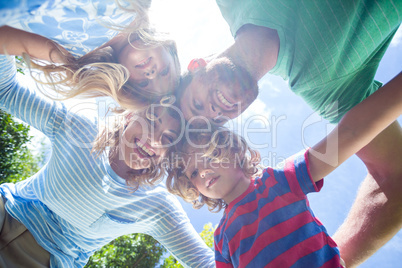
{"x": 98, "y": 73}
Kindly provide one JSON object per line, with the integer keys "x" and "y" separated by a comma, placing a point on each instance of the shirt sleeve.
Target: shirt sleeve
{"x": 297, "y": 172}
{"x": 220, "y": 261}
{"x": 183, "y": 242}
{"x": 26, "y": 104}
{"x": 293, "y": 175}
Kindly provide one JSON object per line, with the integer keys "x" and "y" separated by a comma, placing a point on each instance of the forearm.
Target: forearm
{"x": 16, "y": 42}
{"x": 369, "y": 118}
{"x": 373, "y": 220}
{"x": 357, "y": 128}
{"x": 375, "y": 215}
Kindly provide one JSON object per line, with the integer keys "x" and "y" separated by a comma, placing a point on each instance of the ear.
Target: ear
{"x": 196, "y": 64}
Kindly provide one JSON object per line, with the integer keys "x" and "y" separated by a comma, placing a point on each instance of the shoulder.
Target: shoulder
{"x": 292, "y": 174}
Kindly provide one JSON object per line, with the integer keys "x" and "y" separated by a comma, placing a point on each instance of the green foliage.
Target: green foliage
{"x": 171, "y": 262}
{"x": 139, "y": 250}
{"x": 16, "y": 161}
{"x": 134, "y": 250}
{"x": 207, "y": 235}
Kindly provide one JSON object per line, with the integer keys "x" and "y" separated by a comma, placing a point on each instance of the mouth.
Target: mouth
{"x": 144, "y": 149}
{"x": 144, "y": 63}
{"x": 212, "y": 181}
{"x": 223, "y": 100}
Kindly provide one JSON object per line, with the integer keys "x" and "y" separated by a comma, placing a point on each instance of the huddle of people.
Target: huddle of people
{"x": 101, "y": 184}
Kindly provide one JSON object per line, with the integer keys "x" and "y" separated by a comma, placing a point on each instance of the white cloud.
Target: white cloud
{"x": 265, "y": 82}
{"x": 257, "y": 107}
{"x": 257, "y": 112}
{"x": 397, "y": 40}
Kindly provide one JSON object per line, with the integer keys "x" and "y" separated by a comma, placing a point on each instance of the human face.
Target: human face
{"x": 152, "y": 69}
{"x": 144, "y": 143}
{"x": 224, "y": 180}
{"x": 215, "y": 96}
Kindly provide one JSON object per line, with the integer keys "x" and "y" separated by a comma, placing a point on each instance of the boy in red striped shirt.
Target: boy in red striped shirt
{"x": 267, "y": 220}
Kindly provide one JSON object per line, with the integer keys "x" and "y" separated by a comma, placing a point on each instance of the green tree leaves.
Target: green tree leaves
{"x": 207, "y": 234}
{"x": 134, "y": 250}
{"x": 17, "y": 162}
{"x": 140, "y": 250}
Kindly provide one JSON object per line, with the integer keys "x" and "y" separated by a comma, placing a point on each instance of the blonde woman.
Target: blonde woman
{"x": 91, "y": 192}
{"x": 93, "y": 48}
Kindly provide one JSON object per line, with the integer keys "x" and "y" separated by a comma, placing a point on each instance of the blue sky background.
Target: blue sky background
{"x": 200, "y": 30}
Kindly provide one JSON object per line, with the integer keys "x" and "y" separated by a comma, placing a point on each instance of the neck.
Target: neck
{"x": 256, "y": 49}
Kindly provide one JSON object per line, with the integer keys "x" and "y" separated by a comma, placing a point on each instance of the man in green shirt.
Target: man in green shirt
{"x": 329, "y": 51}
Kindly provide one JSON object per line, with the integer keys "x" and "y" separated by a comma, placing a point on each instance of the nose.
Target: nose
{"x": 158, "y": 148}
{"x": 215, "y": 111}
{"x": 151, "y": 73}
{"x": 155, "y": 140}
{"x": 204, "y": 173}
{"x": 152, "y": 139}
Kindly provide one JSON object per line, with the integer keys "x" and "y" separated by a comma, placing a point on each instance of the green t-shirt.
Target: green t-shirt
{"x": 329, "y": 49}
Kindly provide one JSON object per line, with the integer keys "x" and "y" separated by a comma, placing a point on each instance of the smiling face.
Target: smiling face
{"x": 219, "y": 91}
{"x": 145, "y": 142}
{"x": 152, "y": 69}
{"x": 224, "y": 180}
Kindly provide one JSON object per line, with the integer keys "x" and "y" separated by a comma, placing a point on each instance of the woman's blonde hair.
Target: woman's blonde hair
{"x": 98, "y": 72}
{"x": 110, "y": 137}
{"x": 218, "y": 145}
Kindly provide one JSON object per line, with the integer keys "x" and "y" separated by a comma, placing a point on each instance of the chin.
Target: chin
{"x": 138, "y": 166}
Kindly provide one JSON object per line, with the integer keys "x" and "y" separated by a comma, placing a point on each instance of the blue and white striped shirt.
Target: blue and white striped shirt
{"x": 76, "y": 203}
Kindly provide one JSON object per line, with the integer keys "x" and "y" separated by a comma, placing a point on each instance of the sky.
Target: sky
{"x": 286, "y": 124}
{"x": 200, "y": 30}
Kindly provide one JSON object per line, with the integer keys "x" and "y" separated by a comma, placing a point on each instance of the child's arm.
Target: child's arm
{"x": 16, "y": 42}
{"x": 357, "y": 128}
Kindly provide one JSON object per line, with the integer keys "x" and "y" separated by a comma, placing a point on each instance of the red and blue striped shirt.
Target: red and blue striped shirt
{"x": 271, "y": 224}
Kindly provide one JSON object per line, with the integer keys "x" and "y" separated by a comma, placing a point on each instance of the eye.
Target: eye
{"x": 156, "y": 121}
{"x": 219, "y": 121}
{"x": 165, "y": 71}
{"x": 143, "y": 83}
{"x": 197, "y": 105}
{"x": 210, "y": 159}
{"x": 167, "y": 138}
{"x": 194, "y": 174}
{"x": 153, "y": 115}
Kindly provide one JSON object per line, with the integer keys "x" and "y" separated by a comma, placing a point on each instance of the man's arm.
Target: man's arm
{"x": 16, "y": 42}
{"x": 357, "y": 128}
